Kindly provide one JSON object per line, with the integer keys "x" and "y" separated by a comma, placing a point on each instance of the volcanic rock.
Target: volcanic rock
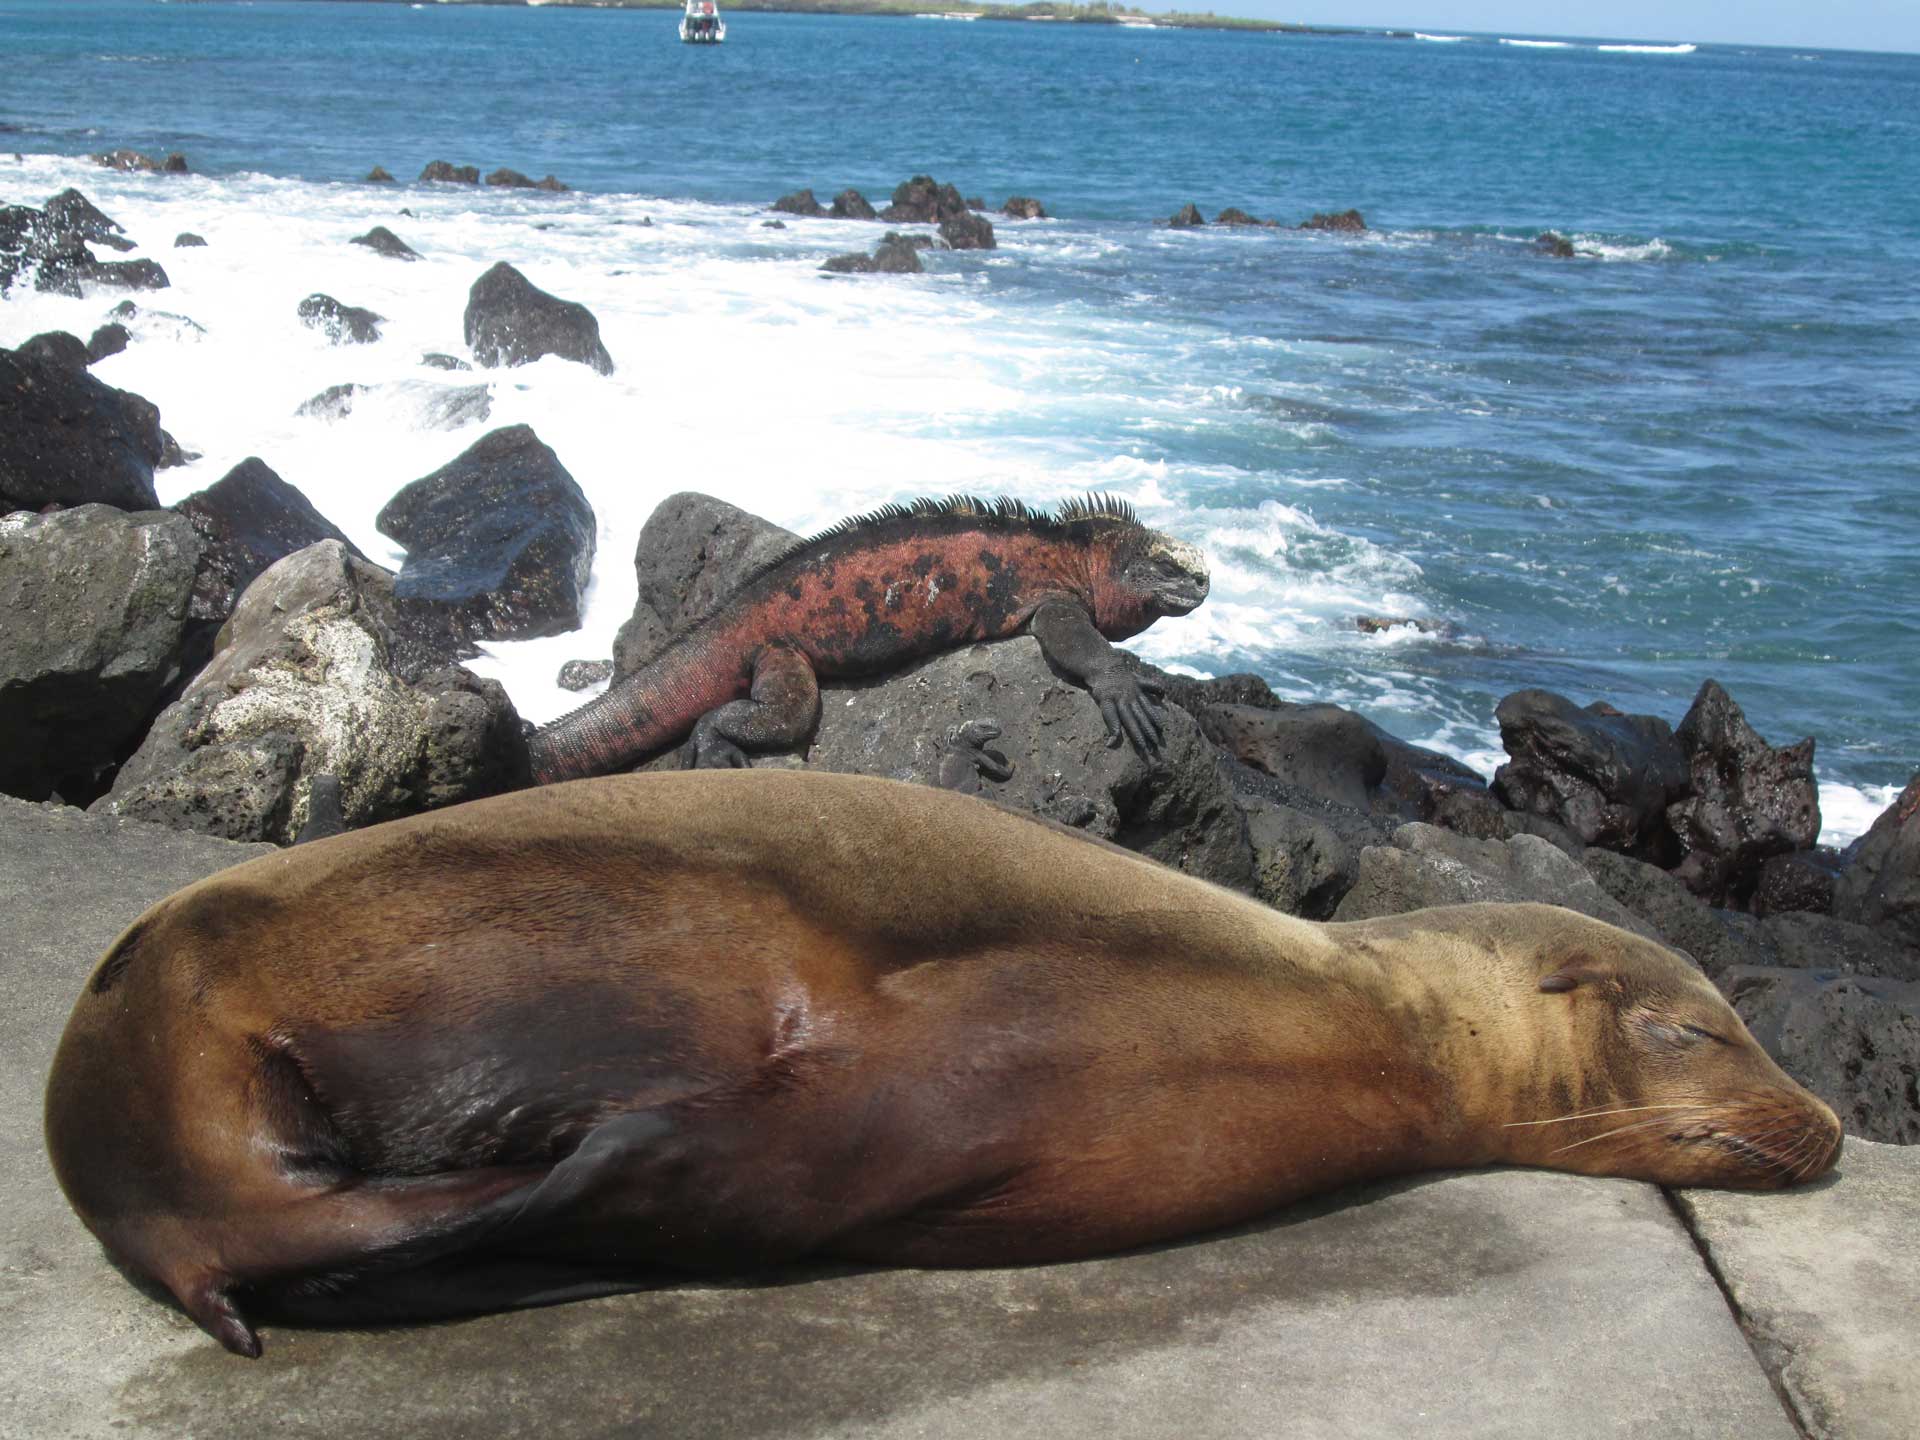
{"x": 1344, "y": 222}
{"x": 451, "y": 174}
{"x": 1746, "y": 800}
{"x": 923, "y": 201}
{"x": 68, "y": 439}
{"x": 510, "y": 321}
{"x": 1233, "y": 215}
{"x": 1301, "y": 864}
{"x": 383, "y": 241}
{"x": 1881, "y": 883}
{"x": 1854, "y": 1041}
{"x": 851, "y": 205}
{"x": 499, "y": 541}
{"x": 379, "y": 176}
{"x": 1179, "y": 810}
{"x": 578, "y": 675}
{"x": 968, "y": 231}
{"x": 71, "y": 213}
{"x": 341, "y": 324}
{"x": 434, "y": 360}
{"x": 694, "y": 552}
{"x": 333, "y": 403}
{"x": 1801, "y": 881}
{"x": 108, "y": 339}
{"x": 314, "y": 677}
{"x": 1428, "y": 866}
{"x": 96, "y": 605}
{"x": 1186, "y": 217}
{"x": 134, "y": 161}
{"x": 249, "y": 519}
{"x": 895, "y": 255}
{"x": 187, "y": 240}
{"x": 1553, "y": 243}
{"x": 1023, "y": 207}
{"x": 800, "y": 202}
{"x": 56, "y": 347}
{"x": 511, "y": 179}
{"x": 1606, "y": 776}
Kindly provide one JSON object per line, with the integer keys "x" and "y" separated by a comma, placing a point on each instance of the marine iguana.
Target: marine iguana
{"x": 876, "y": 591}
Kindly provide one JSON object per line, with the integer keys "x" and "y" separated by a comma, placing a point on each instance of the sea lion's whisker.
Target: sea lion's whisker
{"x": 1601, "y": 1114}
{"x": 1622, "y": 1130}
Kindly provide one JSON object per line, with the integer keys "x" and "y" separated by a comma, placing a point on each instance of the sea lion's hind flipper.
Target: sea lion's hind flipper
{"x": 453, "y": 1287}
{"x": 317, "y": 1240}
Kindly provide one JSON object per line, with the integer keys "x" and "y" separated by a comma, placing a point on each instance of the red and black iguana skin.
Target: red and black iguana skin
{"x": 876, "y": 592}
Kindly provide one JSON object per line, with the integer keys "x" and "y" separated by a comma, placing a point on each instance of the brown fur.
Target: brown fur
{"x": 716, "y": 1018}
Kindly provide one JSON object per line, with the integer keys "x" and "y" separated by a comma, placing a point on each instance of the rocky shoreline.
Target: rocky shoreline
{"x": 234, "y": 666}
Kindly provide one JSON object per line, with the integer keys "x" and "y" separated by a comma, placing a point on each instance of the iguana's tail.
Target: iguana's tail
{"x": 649, "y": 710}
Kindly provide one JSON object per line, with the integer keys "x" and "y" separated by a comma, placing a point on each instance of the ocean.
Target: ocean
{"x": 1690, "y": 451}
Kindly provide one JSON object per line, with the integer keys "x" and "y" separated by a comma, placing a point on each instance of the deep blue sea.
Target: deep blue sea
{"x": 1691, "y": 451}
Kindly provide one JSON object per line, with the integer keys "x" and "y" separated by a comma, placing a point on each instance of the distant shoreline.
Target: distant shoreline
{"x": 1041, "y": 11}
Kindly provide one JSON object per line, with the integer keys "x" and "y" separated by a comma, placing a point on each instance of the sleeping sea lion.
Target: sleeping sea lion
{"x": 503, "y": 1053}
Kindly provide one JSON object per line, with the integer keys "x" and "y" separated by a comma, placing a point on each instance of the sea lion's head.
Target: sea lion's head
{"x": 1649, "y": 1072}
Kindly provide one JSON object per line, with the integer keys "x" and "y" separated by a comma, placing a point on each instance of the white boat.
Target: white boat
{"x": 700, "y": 23}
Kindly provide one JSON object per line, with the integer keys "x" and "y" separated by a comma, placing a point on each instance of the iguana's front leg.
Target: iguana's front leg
{"x": 782, "y": 711}
{"x": 1068, "y": 639}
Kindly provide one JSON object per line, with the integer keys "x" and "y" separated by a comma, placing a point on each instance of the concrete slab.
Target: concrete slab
{"x": 1827, "y": 1281}
{"x": 1485, "y": 1304}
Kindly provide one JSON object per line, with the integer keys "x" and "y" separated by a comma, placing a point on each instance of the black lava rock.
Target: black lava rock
{"x": 71, "y": 213}
{"x": 249, "y": 518}
{"x": 852, "y": 205}
{"x": 1344, "y": 222}
{"x": 1747, "y": 800}
{"x": 1881, "y": 883}
{"x": 451, "y": 174}
{"x": 57, "y": 347}
{"x": 1186, "y": 217}
{"x": 1607, "y": 776}
{"x": 383, "y": 241}
{"x": 510, "y": 321}
{"x": 1023, "y": 207}
{"x": 68, "y": 439}
{"x": 379, "y": 176}
{"x": 341, "y": 324}
{"x": 187, "y": 240}
{"x": 96, "y": 602}
{"x": 499, "y": 542}
{"x": 923, "y": 201}
{"x": 578, "y": 675}
{"x": 968, "y": 231}
{"x": 800, "y": 202}
{"x": 109, "y": 339}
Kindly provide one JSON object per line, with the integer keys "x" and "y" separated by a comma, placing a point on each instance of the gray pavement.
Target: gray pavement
{"x": 1509, "y": 1303}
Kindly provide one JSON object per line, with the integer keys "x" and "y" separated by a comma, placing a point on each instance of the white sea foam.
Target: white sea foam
{"x": 1539, "y": 44}
{"x": 1648, "y": 49}
{"x": 1440, "y": 39}
{"x": 741, "y": 371}
{"x": 1848, "y": 811}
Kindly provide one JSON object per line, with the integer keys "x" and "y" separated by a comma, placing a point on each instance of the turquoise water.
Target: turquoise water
{"x": 1690, "y": 452}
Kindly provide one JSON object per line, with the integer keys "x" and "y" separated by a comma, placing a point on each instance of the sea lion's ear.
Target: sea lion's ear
{"x": 1580, "y": 970}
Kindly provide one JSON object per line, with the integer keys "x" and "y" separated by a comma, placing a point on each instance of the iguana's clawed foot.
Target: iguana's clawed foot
{"x": 711, "y": 750}
{"x": 967, "y": 760}
{"x": 1128, "y": 705}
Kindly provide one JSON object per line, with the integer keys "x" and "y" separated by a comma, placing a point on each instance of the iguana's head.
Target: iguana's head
{"x": 1147, "y": 575}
